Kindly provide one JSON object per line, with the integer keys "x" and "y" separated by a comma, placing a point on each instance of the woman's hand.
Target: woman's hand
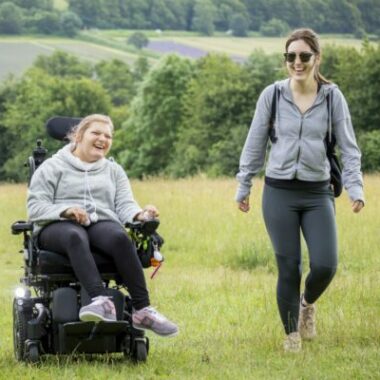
{"x": 244, "y": 205}
{"x": 357, "y": 206}
{"x": 77, "y": 214}
{"x": 149, "y": 212}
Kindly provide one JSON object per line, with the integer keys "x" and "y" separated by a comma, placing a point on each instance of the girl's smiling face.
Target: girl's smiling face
{"x": 95, "y": 142}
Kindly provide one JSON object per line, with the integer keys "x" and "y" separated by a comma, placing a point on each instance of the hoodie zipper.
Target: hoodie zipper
{"x": 299, "y": 146}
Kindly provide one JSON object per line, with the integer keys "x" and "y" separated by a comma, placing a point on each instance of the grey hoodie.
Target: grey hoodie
{"x": 64, "y": 181}
{"x": 299, "y": 151}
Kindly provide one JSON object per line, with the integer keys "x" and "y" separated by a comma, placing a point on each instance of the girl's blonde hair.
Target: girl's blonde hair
{"x": 77, "y": 131}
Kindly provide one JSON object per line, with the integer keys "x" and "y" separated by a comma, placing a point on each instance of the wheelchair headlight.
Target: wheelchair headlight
{"x": 21, "y": 292}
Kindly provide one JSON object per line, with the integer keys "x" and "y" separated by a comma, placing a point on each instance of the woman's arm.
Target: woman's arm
{"x": 40, "y": 201}
{"x": 350, "y": 152}
{"x": 253, "y": 155}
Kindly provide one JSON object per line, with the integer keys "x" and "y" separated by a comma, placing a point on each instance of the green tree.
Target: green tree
{"x": 47, "y": 22}
{"x": 39, "y": 96}
{"x": 216, "y": 112}
{"x": 70, "y": 24}
{"x": 239, "y": 25}
{"x": 274, "y": 27}
{"x": 11, "y": 19}
{"x": 358, "y": 75}
{"x": 63, "y": 65}
{"x": 369, "y": 143}
{"x": 116, "y": 77}
{"x": 144, "y": 145}
{"x": 204, "y": 16}
{"x": 138, "y": 40}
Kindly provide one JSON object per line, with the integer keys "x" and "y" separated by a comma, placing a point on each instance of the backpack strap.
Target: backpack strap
{"x": 272, "y": 130}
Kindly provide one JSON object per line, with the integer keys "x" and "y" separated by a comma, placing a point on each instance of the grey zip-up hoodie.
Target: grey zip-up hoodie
{"x": 64, "y": 181}
{"x": 299, "y": 151}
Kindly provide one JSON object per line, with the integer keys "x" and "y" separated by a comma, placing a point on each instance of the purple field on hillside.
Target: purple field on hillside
{"x": 164, "y": 47}
{"x": 175, "y": 47}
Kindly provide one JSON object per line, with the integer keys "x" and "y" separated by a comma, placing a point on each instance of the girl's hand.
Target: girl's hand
{"x": 357, "y": 206}
{"x": 149, "y": 212}
{"x": 77, "y": 214}
{"x": 244, "y": 205}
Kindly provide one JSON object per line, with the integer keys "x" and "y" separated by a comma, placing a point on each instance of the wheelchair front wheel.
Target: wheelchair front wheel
{"x": 140, "y": 350}
{"x": 20, "y": 322}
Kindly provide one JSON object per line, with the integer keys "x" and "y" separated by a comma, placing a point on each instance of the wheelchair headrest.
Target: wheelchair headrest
{"x": 59, "y": 126}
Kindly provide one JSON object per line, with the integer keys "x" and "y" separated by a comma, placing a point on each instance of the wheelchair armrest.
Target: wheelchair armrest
{"x": 147, "y": 227}
{"x": 21, "y": 226}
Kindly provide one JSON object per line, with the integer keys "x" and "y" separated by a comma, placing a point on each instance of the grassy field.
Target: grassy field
{"x": 218, "y": 283}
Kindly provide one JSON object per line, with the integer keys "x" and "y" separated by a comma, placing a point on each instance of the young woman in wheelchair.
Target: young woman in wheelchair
{"x": 78, "y": 201}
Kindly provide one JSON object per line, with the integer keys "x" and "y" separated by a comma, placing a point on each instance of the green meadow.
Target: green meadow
{"x": 218, "y": 283}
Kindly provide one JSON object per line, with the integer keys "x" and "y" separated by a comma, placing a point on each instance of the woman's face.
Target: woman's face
{"x": 95, "y": 142}
{"x": 302, "y": 66}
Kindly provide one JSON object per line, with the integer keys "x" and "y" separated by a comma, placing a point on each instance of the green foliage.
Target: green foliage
{"x": 224, "y": 95}
{"x": 63, "y": 65}
{"x": 219, "y": 94}
{"x": 11, "y": 20}
{"x": 239, "y": 25}
{"x": 369, "y": 143}
{"x": 274, "y": 27}
{"x": 70, "y": 24}
{"x": 36, "y": 98}
{"x": 138, "y": 40}
{"x": 145, "y": 143}
{"x": 117, "y": 78}
{"x": 358, "y": 75}
{"x": 204, "y": 16}
{"x": 47, "y": 22}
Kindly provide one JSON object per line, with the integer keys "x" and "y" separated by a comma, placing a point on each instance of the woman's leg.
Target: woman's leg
{"x": 282, "y": 220}
{"x": 111, "y": 239}
{"x": 71, "y": 239}
{"x": 319, "y": 229}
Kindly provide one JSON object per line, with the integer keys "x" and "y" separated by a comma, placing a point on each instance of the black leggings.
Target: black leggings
{"x": 286, "y": 214}
{"x": 109, "y": 238}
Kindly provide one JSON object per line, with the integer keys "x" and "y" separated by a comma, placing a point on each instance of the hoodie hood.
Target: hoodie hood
{"x": 65, "y": 154}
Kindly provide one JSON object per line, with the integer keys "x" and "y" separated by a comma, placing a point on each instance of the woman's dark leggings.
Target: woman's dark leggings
{"x": 286, "y": 214}
{"x": 109, "y": 238}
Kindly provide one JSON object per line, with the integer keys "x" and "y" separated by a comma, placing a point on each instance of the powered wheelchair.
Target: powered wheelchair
{"x": 48, "y": 321}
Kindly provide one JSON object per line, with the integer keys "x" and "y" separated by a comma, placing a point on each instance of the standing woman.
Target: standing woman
{"x": 297, "y": 193}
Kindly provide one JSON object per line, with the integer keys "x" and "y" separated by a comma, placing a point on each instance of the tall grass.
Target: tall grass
{"x": 218, "y": 283}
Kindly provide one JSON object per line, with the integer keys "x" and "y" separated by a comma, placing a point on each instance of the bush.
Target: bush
{"x": 274, "y": 28}
{"x": 369, "y": 143}
{"x": 138, "y": 39}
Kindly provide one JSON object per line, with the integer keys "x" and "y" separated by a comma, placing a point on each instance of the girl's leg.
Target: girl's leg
{"x": 71, "y": 239}
{"x": 282, "y": 221}
{"x": 319, "y": 229}
{"x": 111, "y": 239}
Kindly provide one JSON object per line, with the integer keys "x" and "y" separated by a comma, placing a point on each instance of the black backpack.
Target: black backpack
{"x": 330, "y": 142}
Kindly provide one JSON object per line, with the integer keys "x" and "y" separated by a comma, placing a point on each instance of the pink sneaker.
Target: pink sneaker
{"x": 150, "y": 319}
{"x": 100, "y": 309}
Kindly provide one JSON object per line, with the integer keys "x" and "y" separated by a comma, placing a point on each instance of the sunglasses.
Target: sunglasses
{"x": 304, "y": 56}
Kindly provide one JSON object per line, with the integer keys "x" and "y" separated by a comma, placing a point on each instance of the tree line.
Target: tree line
{"x": 270, "y": 17}
{"x": 178, "y": 118}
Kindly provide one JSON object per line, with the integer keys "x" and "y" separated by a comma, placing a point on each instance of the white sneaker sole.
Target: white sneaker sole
{"x": 88, "y": 316}
{"x": 148, "y": 329}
